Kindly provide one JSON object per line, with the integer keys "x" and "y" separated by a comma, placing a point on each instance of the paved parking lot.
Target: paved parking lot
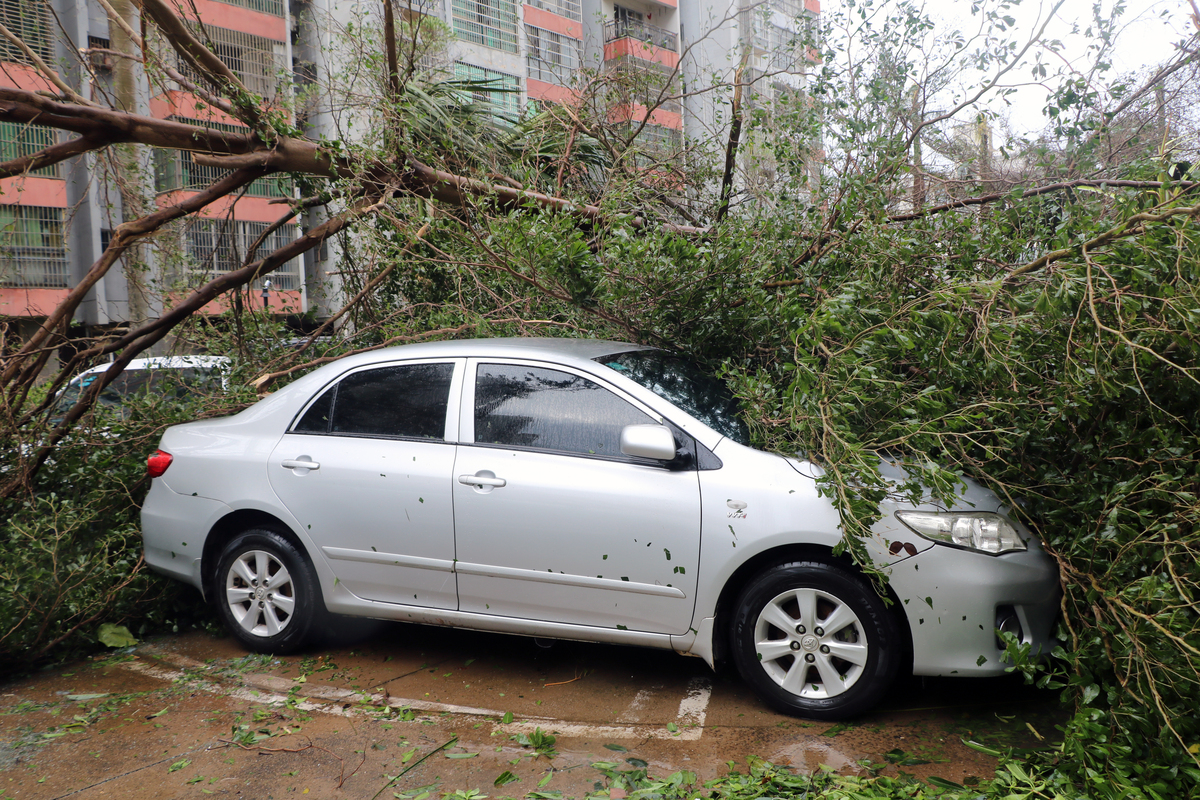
{"x": 194, "y": 715}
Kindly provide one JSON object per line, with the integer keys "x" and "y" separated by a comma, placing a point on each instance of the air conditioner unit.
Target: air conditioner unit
{"x": 101, "y": 62}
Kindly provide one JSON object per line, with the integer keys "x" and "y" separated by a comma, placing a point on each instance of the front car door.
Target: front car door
{"x": 552, "y": 522}
{"x": 365, "y": 468}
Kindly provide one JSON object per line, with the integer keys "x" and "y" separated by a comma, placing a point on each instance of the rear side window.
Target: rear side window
{"x": 546, "y": 409}
{"x": 407, "y": 401}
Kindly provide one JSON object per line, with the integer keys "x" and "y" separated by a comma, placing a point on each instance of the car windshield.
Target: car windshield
{"x": 678, "y": 380}
{"x": 177, "y": 383}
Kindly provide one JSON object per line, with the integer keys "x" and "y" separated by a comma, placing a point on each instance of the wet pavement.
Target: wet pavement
{"x": 408, "y": 710}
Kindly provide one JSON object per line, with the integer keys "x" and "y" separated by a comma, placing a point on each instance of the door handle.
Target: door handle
{"x": 481, "y": 480}
{"x": 300, "y": 463}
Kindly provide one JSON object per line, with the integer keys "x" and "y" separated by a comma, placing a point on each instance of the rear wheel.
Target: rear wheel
{"x": 814, "y": 640}
{"x": 267, "y": 592}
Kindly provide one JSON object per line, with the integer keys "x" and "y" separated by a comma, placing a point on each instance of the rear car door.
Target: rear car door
{"x": 365, "y": 469}
{"x": 552, "y": 522}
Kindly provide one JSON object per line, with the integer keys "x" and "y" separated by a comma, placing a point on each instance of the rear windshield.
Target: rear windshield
{"x": 678, "y": 380}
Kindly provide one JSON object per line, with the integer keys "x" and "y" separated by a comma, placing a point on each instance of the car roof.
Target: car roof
{"x": 511, "y": 347}
{"x": 163, "y": 362}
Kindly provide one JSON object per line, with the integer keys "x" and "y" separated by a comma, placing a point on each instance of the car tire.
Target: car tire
{"x": 267, "y": 592}
{"x": 814, "y": 640}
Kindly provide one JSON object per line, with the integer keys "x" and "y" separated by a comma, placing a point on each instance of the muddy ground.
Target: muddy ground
{"x": 408, "y": 711}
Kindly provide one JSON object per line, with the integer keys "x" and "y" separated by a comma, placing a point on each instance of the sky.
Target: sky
{"x": 1150, "y": 29}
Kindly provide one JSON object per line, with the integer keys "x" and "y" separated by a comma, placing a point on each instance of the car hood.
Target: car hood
{"x": 971, "y": 494}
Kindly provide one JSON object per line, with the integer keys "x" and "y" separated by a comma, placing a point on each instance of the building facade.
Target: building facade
{"x": 55, "y": 222}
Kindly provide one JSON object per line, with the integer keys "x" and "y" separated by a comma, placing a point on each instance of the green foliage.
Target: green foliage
{"x": 71, "y": 570}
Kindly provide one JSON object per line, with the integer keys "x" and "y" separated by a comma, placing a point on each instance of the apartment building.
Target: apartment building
{"x": 55, "y": 222}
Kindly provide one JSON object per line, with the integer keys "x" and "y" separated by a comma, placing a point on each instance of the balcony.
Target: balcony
{"x": 615, "y": 29}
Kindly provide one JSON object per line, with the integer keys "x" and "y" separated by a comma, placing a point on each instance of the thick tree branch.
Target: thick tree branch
{"x": 172, "y": 73}
{"x": 288, "y": 154}
{"x": 50, "y": 156}
{"x": 311, "y": 202}
{"x": 389, "y": 44}
{"x": 735, "y": 136}
{"x": 457, "y": 189}
{"x": 1130, "y": 227}
{"x": 1034, "y": 192}
{"x": 204, "y": 61}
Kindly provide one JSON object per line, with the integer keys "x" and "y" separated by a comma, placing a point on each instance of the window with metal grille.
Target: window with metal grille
{"x": 570, "y": 9}
{"x": 177, "y": 169}
{"x": 646, "y": 83}
{"x": 216, "y": 246}
{"x": 100, "y": 61}
{"x": 33, "y": 251}
{"x": 782, "y": 31}
{"x": 273, "y": 7}
{"x": 30, "y": 21}
{"x": 502, "y": 91}
{"x": 658, "y": 139}
{"x": 491, "y": 23}
{"x": 552, "y": 57}
{"x": 257, "y": 61}
{"x": 18, "y": 139}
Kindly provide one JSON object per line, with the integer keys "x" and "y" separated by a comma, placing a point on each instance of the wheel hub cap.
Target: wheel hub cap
{"x": 811, "y": 643}
{"x": 260, "y": 593}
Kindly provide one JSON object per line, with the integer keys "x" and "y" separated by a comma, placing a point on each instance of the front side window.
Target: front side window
{"x": 547, "y": 409}
{"x": 407, "y": 401}
{"x": 682, "y": 383}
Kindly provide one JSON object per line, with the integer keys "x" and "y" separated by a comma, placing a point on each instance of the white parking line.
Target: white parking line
{"x": 631, "y": 713}
{"x": 689, "y": 721}
{"x": 268, "y": 689}
{"x": 694, "y": 708}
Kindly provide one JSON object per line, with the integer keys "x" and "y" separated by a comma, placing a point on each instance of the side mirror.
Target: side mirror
{"x": 648, "y": 441}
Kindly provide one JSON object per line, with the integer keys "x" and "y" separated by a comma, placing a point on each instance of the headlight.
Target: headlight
{"x": 982, "y": 531}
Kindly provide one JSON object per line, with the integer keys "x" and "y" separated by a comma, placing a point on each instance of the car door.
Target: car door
{"x": 366, "y": 470}
{"x": 552, "y": 522}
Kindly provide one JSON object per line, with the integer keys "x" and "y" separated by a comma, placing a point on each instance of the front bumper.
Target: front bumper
{"x": 953, "y": 598}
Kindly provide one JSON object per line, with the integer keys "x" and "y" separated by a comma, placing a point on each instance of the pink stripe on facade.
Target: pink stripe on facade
{"x": 30, "y": 302}
{"x": 248, "y": 209}
{"x": 637, "y": 112}
{"x": 34, "y": 191}
{"x": 20, "y": 76}
{"x": 540, "y": 18}
{"x": 184, "y": 104}
{"x": 642, "y": 50}
{"x": 540, "y": 90}
{"x": 235, "y": 18}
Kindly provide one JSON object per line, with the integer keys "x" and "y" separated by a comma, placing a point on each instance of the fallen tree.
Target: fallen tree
{"x": 1032, "y": 326}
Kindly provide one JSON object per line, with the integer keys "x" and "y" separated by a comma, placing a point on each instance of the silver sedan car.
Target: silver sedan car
{"x": 587, "y": 490}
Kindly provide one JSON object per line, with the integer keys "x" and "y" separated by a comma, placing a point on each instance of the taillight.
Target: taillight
{"x": 157, "y": 464}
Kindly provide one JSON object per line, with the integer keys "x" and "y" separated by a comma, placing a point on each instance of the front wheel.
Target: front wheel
{"x": 815, "y": 641}
{"x": 267, "y": 592}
